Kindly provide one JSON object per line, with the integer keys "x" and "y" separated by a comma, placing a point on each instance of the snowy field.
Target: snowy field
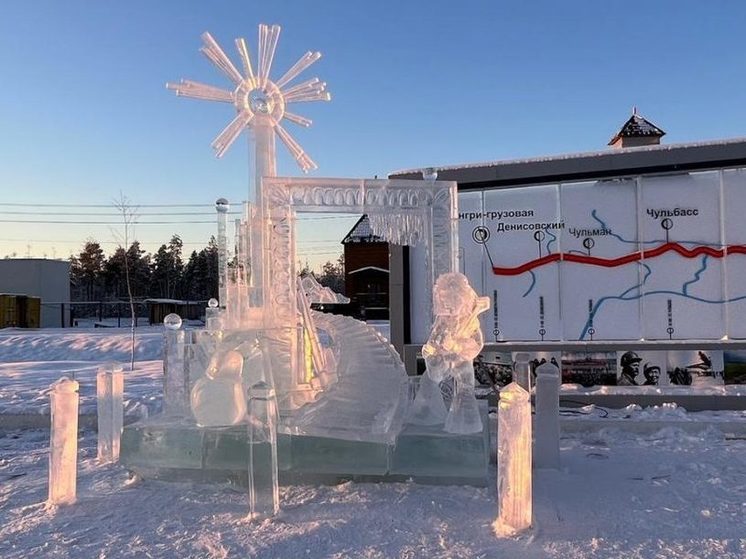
{"x": 627, "y": 493}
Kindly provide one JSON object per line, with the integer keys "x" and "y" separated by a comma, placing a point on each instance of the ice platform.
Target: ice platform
{"x": 160, "y": 449}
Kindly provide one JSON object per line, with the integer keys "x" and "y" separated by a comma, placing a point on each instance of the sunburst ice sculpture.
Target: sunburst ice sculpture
{"x": 261, "y": 104}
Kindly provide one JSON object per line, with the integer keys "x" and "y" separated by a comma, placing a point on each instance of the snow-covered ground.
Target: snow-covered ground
{"x": 670, "y": 492}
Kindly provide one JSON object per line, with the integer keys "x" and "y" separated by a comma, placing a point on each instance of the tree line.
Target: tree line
{"x": 164, "y": 274}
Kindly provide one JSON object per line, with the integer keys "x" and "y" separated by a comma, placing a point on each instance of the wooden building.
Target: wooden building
{"x": 367, "y": 270}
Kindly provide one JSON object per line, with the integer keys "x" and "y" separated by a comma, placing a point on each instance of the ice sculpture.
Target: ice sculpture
{"x": 455, "y": 340}
{"x": 264, "y": 494}
{"x": 218, "y": 398}
{"x": 522, "y": 370}
{"x": 175, "y": 373}
{"x": 317, "y": 293}
{"x": 222, "y": 207}
{"x": 546, "y": 453}
{"x": 514, "y": 497}
{"x": 335, "y": 380}
{"x": 212, "y": 315}
{"x": 110, "y": 411}
{"x": 63, "y": 442}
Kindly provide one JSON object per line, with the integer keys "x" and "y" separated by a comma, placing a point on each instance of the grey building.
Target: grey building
{"x": 47, "y": 279}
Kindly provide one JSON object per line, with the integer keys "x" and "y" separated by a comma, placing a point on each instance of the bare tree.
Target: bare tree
{"x": 128, "y": 214}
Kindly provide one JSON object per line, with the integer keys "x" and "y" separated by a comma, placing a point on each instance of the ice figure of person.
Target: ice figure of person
{"x": 218, "y": 398}
{"x": 455, "y": 340}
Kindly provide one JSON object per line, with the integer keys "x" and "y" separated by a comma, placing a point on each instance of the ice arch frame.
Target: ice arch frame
{"x": 434, "y": 203}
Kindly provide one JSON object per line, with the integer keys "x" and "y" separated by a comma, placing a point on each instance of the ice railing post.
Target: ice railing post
{"x": 547, "y": 454}
{"x": 63, "y": 442}
{"x": 110, "y": 411}
{"x": 522, "y": 371}
{"x": 175, "y": 376}
{"x": 264, "y": 493}
{"x": 514, "y": 498}
{"x": 222, "y": 207}
{"x": 212, "y": 315}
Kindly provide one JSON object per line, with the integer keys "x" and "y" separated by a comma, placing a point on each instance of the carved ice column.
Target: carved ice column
{"x": 264, "y": 493}
{"x": 212, "y": 315}
{"x": 63, "y": 442}
{"x": 522, "y": 371}
{"x": 547, "y": 453}
{"x": 262, "y": 161}
{"x": 222, "y": 207}
{"x": 110, "y": 411}
{"x": 175, "y": 374}
{"x": 513, "y": 461}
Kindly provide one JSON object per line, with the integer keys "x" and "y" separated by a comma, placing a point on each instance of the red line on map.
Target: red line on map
{"x": 622, "y": 260}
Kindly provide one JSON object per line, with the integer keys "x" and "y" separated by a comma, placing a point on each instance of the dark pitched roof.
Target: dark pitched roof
{"x": 362, "y": 232}
{"x": 637, "y": 127}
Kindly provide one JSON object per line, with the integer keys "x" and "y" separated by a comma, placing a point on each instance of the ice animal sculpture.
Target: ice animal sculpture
{"x": 455, "y": 340}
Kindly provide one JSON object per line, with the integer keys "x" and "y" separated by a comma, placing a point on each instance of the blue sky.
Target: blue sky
{"x": 84, "y": 113}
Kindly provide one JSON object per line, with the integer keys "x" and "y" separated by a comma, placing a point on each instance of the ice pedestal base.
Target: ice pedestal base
{"x": 161, "y": 449}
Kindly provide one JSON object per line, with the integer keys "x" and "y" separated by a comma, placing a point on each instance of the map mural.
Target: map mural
{"x": 650, "y": 258}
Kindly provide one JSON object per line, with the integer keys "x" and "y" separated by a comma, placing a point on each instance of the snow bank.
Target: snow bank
{"x": 66, "y": 344}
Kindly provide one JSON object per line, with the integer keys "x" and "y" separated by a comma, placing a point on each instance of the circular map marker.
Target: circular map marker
{"x": 480, "y": 234}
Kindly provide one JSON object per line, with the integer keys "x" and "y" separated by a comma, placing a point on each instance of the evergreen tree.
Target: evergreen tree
{"x": 113, "y": 275}
{"x": 139, "y": 263}
{"x": 333, "y": 275}
{"x": 166, "y": 269}
{"x": 90, "y": 262}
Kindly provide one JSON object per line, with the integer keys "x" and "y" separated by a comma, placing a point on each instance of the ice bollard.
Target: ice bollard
{"x": 110, "y": 411}
{"x": 212, "y": 315}
{"x": 222, "y": 207}
{"x": 513, "y": 461}
{"x": 264, "y": 493}
{"x": 175, "y": 378}
{"x": 63, "y": 442}
{"x": 522, "y": 371}
{"x": 546, "y": 453}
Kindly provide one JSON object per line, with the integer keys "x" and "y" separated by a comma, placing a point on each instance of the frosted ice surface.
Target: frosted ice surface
{"x": 368, "y": 399}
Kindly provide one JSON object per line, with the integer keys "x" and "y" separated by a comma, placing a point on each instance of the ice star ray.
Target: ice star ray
{"x": 229, "y": 134}
{"x": 304, "y": 97}
{"x": 304, "y": 62}
{"x": 297, "y": 119}
{"x": 314, "y": 84}
{"x": 212, "y": 50}
{"x": 268, "y": 36}
{"x": 304, "y": 161}
{"x": 197, "y": 90}
{"x": 243, "y": 51}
